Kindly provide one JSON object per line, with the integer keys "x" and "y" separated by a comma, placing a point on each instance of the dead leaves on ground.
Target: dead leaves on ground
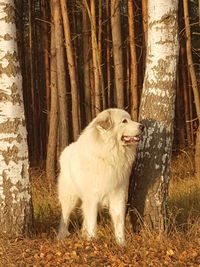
{"x": 75, "y": 251}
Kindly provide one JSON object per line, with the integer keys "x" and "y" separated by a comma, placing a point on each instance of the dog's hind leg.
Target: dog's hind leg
{"x": 90, "y": 208}
{"x": 68, "y": 203}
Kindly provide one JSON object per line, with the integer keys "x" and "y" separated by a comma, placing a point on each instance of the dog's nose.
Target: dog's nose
{"x": 141, "y": 127}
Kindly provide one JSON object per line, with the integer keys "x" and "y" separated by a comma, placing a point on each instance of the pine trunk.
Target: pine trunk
{"x": 32, "y": 84}
{"x": 133, "y": 63}
{"x": 117, "y": 52}
{"x": 72, "y": 70}
{"x": 194, "y": 84}
{"x": 86, "y": 65}
{"x": 95, "y": 57}
{"x": 53, "y": 118}
{"x": 61, "y": 76}
{"x": 108, "y": 55}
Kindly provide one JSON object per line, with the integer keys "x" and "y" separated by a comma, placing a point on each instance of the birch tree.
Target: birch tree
{"x": 15, "y": 196}
{"x": 157, "y": 114}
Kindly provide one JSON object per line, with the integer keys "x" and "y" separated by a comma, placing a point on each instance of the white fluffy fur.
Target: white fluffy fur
{"x": 95, "y": 169}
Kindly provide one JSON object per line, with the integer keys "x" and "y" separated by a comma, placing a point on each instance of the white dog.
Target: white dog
{"x": 96, "y": 168}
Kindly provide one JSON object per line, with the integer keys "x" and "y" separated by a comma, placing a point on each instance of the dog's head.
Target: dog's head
{"x": 117, "y": 123}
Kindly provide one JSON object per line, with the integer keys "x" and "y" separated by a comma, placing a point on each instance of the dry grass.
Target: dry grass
{"x": 179, "y": 248}
{"x": 184, "y": 194}
{"x": 184, "y": 190}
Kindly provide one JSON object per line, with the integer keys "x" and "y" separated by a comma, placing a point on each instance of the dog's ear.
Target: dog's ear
{"x": 104, "y": 121}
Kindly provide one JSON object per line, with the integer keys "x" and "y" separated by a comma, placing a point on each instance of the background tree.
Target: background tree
{"x": 72, "y": 71}
{"x": 94, "y": 53}
{"x": 61, "y": 75}
{"x": 15, "y": 195}
{"x": 194, "y": 84}
{"x": 86, "y": 65}
{"x": 151, "y": 176}
{"x": 133, "y": 64}
{"x": 51, "y": 160}
{"x": 117, "y": 52}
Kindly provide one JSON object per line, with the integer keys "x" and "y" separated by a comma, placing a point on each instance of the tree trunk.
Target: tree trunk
{"x": 16, "y": 215}
{"x": 72, "y": 70}
{"x": 95, "y": 57}
{"x": 86, "y": 66}
{"x": 108, "y": 55}
{"x": 184, "y": 77}
{"x": 32, "y": 78}
{"x": 117, "y": 52}
{"x": 194, "y": 84}
{"x": 46, "y": 59}
{"x": 133, "y": 63}
{"x": 156, "y": 114}
{"x": 53, "y": 118}
{"x": 61, "y": 76}
{"x": 144, "y": 21}
{"x": 98, "y": 82}
{"x": 100, "y": 32}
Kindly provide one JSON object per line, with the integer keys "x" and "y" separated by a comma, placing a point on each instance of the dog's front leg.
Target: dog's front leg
{"x": 90, "y": 209}
{"x": 117, "y": 212}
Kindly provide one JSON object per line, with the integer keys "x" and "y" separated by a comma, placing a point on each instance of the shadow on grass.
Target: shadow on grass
{"x": 184, "y": 209}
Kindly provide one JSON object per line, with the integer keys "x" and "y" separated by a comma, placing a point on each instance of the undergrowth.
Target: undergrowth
{"x": 179, "y": 247}
{"x": 184, "y": 201}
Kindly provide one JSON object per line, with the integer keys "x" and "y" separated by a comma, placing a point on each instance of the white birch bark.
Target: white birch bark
{"x": 15, "y": 197}
{"x": 157, "y": 113}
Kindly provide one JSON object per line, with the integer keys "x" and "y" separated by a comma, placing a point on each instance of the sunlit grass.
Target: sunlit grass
{"x": 184, "y": 200}
{"x": 184, "y": 189}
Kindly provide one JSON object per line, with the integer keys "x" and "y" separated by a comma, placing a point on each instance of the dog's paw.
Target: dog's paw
{"x": 88, "y": 235}
{"x": 120, "y": 241}
{"x": 62, "y": 235}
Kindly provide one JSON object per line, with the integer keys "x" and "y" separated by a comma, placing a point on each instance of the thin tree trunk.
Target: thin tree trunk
{"x": 179, "y": 113}
{"x": 194, "y": 84}
{"x": 145, "y": 21}
{"x": 53, "y": 122}
{"x": 92, "y": 87}
{"x": 95, "y": 53}
{"x": 133, "y": 63}
{"x": 191, "y": 107}
{"x": 32, "y": 84}
{"x": 117, "y": 52}
{"x": 95, "y": 58}
{"x": 108, "y": 54}
{"x": 45, "y": 45}
{"x": 149, "y": 197}
{"x": 61, "y": 76}
{"x": 72, "y": 70}
{"x": 100, "y": 54}
{"x": 144, "y": 41}
{"x": 86, "y": 66}
{"x": 184, "y": 77}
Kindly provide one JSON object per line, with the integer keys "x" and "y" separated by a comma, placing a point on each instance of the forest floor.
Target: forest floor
{"x": 181, "y": 247}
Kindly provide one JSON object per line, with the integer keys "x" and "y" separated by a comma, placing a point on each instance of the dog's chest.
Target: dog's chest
{"x": 101, "y": 173}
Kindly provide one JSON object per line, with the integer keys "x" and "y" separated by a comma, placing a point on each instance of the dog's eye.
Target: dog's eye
{"x": 124, "y": 121}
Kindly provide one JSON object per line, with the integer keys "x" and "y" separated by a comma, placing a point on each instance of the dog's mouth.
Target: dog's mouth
{"x": 129, "y": 140}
